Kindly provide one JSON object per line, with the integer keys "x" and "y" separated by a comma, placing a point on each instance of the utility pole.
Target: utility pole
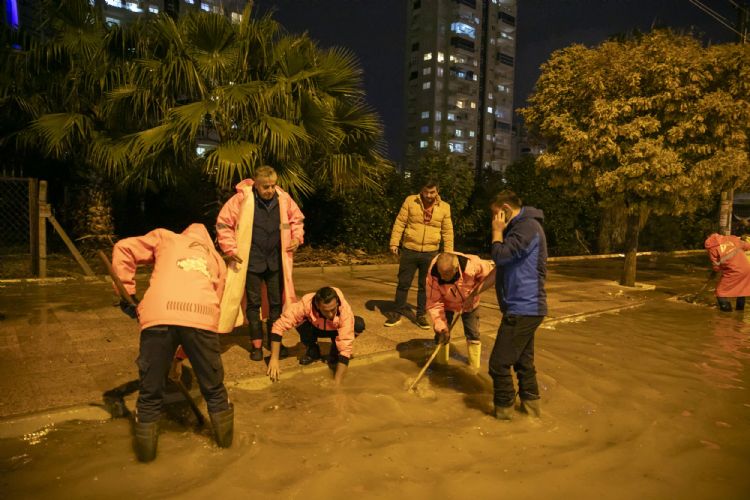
{"x": 740, "y": 29}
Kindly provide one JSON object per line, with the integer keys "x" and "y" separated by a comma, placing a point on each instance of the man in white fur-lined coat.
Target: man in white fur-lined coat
{"x": 258, "y": 229}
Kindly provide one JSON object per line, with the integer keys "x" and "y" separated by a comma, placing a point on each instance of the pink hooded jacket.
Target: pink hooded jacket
{"x": 187, "y": 281}
{"x": 304, "y": 310}
{"x": 473, "y": 271}
{"x": 234, "y": 231}
{"x": 727, "y": 255}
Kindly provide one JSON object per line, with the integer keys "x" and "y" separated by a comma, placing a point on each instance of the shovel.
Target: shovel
{"x": 124, "y": 295}
{"x": 434, "y": 354}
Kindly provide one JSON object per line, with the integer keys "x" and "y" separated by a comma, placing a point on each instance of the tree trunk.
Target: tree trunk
{"x": 631, "y": 248}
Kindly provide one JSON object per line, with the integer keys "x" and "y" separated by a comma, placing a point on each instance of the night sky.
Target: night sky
{"x": 375, "y": 30}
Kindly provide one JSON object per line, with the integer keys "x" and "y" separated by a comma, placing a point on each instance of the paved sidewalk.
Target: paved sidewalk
{"x": 65, "y": 343}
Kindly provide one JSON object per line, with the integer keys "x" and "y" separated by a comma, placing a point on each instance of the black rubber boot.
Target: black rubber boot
{"x": 724, "y": 304}
{"x": 145, "y": 438}
{"x": 223, "y": 424}
{"x": 312, "y": 355}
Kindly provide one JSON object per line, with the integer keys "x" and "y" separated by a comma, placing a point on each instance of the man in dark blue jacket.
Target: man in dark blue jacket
{"x": 519, "y": 249}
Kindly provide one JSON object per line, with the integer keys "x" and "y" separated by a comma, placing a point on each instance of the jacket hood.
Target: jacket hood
{"x": 245, "y": 183}
{"x": 714, "y": 240}
{"x": 531, "y": 213}
{"x": 198, "y": 232}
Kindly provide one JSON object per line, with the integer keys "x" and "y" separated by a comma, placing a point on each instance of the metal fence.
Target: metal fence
{"x": 18, "y": 219}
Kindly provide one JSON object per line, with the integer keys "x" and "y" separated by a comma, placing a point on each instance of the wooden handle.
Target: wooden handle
{"x": 434, "y": 353}
{"x": 124, "y": 295}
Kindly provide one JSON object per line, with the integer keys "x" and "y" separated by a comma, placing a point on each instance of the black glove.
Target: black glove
{"x": 128, "y": 308}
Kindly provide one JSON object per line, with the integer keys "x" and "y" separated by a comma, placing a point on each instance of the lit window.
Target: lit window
{"x": 502, "y": 88}
{"x": 489, "y": 109}
{"x": 438, "y": 116}
{"x": 461, "y": 74}
{"x": 459, "y": 132}
{"x": 153, "y": 9}
{"x": 427, "y": 70}
{"x": 206, "y": 7}
{"x": 440, "y": 57}
{"x": 452, "y": 58}
{"x": 460, "y": 104}
{"x": 472, "y": 105}
{"x": 111, "y": 21}
{"x": 451, "y": 117}
{"x": 114, "y": 3}
{"x": 475, "y": 77}
{"x": 428, "y": 56}
{"x": 471, "y": 133}
{"x": 191, "y": 2}
{"x": 458, "y": 147}
{"x": 236, "y": 17}
{"x": 424, "y": 129}
{"x": 425, "y": 114}
{"x": 463, "y": 29}
{"x": 437, "y": 144}
{"x": 423, "y": 144}
{"x": 133, "y": 7}
{"x": 488, "y": 137}
{"x": 440, "y": 72}
{"x": 200, "y": 150}
{"x": 490, "y": 96}
{"x": 425, "y": 85}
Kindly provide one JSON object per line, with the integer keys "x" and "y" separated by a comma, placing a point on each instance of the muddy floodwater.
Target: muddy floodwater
{"x": 647, "y": 403}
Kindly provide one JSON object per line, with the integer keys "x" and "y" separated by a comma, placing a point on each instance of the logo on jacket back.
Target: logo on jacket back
{"x": 198, "y": 264}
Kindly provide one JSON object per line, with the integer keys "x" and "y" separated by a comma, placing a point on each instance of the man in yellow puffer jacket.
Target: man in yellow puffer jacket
{"x": 422, "y": 223}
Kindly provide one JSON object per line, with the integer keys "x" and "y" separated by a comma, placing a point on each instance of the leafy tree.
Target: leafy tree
{"x": 569, "y": 222}
{"x": 644, "y": 124}
{"x": 53, "y": 88}
{"x": 248, "y": 94}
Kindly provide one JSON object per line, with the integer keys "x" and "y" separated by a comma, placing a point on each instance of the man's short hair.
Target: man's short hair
{"x": 265, "y": 172}
{"x": 325, "y": 295}
{"x": 430, "y": 183}
{"x": 507, "y": 197}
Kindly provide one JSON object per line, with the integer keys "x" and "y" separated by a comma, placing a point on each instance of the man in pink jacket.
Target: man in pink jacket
{"x": 454, "y": 281}
{"x": 327, "y": 314}
{"x": 727, "y": 254}
{"x": 180, "y": 307}
{"x": 259, "y": 229}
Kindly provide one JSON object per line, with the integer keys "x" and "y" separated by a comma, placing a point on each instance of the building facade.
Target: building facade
{"x": 459, "y": 79}
{"x": 120, "y": 11}
{"x": 30, "y": 13}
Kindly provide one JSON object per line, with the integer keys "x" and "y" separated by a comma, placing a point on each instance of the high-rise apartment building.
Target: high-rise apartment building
{"x": 119, "y": 11}
{"x": 30, "y": 13}
{"x": 459, "y": 79}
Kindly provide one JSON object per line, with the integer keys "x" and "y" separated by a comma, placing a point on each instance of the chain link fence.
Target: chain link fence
{"x": 17, "y": 225}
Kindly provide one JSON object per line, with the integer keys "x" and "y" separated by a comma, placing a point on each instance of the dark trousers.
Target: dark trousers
{"x": 408, "y": 264}
{"x": 253, "y": 285}
{"x": 514, "y": 347}
{"x": 310, "y": 334}
{"x": 158, "y": 345}
{"x": 471, "y": 323}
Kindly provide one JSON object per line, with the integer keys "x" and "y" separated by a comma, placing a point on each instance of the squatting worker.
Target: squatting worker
{"x": 423, "y": 221}
{"x": 258, "y": 229}
{"x": 727, "y": 254}
{"x": 519, "y": 250}
{"x": 323, "y": 314}
{"x": 180, "y": 307}
{"x": 454, "y": 283}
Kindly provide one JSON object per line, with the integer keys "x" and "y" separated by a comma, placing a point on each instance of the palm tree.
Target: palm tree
{"x": 53, "y": 93}
{"x": 204, "y": 93}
